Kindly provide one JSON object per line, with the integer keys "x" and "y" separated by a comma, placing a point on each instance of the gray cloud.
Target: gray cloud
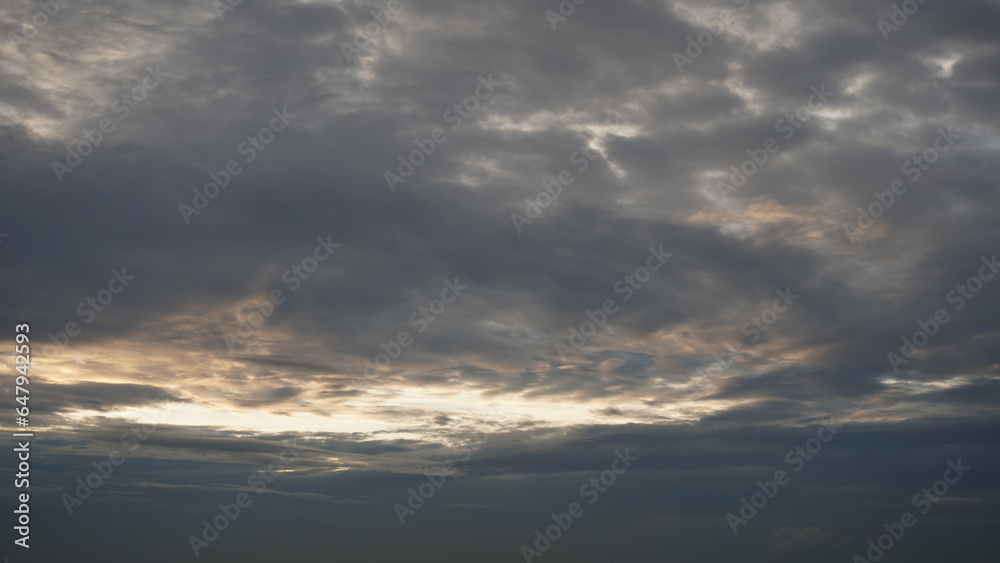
{"x": 603, "y": 83}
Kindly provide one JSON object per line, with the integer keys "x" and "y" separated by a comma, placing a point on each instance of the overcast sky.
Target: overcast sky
{"x": 520, "y": 244}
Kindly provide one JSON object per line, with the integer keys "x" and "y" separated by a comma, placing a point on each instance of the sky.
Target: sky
{"x": 497, "y": 281}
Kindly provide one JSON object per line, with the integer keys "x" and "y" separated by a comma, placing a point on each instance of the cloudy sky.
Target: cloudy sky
{"x": 721, "y": 273}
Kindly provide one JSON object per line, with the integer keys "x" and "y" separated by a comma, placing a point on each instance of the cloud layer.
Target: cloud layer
{"x": 546, "y": 166}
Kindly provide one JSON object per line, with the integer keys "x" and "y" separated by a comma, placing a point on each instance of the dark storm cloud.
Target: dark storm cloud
{"x": 101, "y": 396}
{"x": 414, "y": 231}
{"x": 604, "y": 82}
{"x": 569, "y": 258}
